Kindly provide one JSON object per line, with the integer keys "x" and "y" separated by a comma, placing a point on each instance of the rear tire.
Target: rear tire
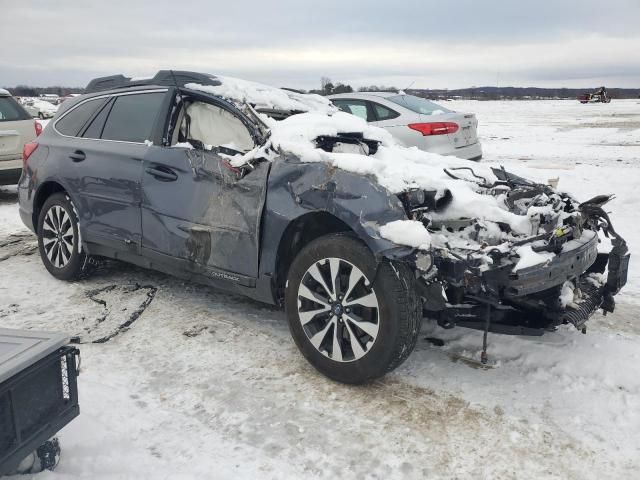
{"x": 59, "y": 238}
{"x": 368, "y": 320}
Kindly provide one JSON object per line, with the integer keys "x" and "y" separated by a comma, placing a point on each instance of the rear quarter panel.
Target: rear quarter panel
{"x": 31, "y": 179}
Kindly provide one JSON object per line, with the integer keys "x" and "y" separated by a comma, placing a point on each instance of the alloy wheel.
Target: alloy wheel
{"x": 338, "y": 309}
{"x": 58, "y": 238}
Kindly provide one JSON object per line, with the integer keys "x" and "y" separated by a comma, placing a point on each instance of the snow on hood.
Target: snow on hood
{"x": 395, "y": 167}
{"x": 262, "y": 96}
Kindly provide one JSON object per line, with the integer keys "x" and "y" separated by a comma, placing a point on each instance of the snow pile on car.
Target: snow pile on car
{"x": 395, "y": 167}
{"x": 407, "y": 232}
{"x": 491, "y": 221}
{"x": 484, "y": 219}
{"x": 261, "y": 96}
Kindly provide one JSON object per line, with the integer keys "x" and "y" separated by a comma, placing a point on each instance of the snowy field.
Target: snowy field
{"x": 209, "y": 385}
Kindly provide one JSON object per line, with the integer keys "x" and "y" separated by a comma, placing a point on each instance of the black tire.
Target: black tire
{"x": 399, "y": 313}
{"x": 76, "y": 259}
{"x": 41, "y": 115}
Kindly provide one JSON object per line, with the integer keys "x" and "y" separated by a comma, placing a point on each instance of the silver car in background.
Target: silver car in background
{"x": 416, "y": 122}
{"x": 17, "y": 128}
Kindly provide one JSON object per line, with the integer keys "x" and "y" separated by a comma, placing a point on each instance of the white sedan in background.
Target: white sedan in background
{"x": 416, "y": 122}
{"x": 40, "y": 108}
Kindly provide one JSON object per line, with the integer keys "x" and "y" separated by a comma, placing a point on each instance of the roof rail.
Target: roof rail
{"x": 167, "y": 78}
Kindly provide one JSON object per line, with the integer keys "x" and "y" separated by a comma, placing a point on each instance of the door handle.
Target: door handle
{"x": 162, "y": 173}
{"x": 77, "y": 156}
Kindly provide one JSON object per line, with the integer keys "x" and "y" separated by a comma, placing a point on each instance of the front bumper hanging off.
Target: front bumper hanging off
{"x": 527, "y": 302}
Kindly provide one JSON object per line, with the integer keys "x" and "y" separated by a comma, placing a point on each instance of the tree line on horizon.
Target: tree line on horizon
{"x": 329, "y": 88}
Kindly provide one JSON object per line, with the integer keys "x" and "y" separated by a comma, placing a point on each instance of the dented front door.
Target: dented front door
{"x": 196, "y": 209}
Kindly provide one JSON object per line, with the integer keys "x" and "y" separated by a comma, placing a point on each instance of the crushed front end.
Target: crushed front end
{"x": 482, "y": 274}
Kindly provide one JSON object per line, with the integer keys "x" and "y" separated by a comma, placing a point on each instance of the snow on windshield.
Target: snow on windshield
{"x": 237, "y": 90}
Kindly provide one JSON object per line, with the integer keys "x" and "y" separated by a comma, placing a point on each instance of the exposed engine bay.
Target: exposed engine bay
{"x": 555, "y": 275}
{"x": 484, "y": 274}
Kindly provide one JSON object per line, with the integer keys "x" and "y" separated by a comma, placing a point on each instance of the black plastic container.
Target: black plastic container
{"x": 35, "y": 404}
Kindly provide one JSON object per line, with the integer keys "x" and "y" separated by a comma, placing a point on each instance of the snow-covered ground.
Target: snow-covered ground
{"x": 209, "y": 385}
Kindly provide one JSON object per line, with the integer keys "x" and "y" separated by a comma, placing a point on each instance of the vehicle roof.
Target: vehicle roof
{"x": 4, "y": 93}
{"x": 166, "y": 78}
{"x": 133, "y": 88}
{"x": 264, "y": 98}
{"x": 365, "y": 94}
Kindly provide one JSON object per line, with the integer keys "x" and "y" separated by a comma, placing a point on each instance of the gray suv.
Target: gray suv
{"x": 140, "y": 171}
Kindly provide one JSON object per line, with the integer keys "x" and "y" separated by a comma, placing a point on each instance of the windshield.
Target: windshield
{"x": 418, "y": 105}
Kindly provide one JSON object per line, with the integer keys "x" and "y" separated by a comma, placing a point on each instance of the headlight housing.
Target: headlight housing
{"x": 414, "y": 198}
{"x": 425, "y": 199}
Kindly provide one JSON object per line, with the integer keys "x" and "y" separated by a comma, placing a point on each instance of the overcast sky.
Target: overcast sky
{"x": 423, "y": 43}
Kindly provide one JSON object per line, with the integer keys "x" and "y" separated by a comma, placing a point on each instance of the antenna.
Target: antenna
{"x": 409, "y": 86}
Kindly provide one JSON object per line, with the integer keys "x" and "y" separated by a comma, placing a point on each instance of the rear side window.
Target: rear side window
{"x": 355, "y": 107}
{"x": 132, "y": 117}
{"x": 94, "y": 130}
{"x": 383, "y": 113}
{"x": 71, "y": 123}
{"x": 10, "y": 110}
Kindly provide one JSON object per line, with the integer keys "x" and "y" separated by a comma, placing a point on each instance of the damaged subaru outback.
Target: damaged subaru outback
{"x": 279, "y": 196}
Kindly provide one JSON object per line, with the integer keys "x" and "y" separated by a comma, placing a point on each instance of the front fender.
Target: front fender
{"x": 297, "y": 188}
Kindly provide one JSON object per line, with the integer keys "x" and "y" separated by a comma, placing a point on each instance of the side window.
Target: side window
{"x": 73, "y": 121}
{"x": 384, "y": 113}
{"x": 354, "y": 107}
{"x": 214, "y": 126}
{"x": 94, "y": 130}
{"x": 132, "y": 117}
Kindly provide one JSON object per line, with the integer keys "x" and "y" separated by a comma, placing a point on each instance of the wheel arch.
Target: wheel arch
{"x": 44, "y": 191}
{"x": 307, "y": 200}
{"x": 312, "y": 225}
{"x": 298, "y": 233}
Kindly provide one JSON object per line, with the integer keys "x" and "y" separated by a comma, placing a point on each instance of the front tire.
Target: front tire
{"x": 353, "y": 318}
{"x": 59, "y": 238}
